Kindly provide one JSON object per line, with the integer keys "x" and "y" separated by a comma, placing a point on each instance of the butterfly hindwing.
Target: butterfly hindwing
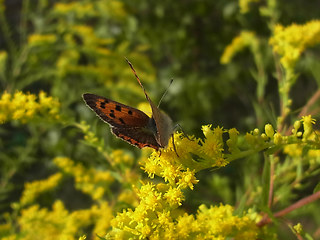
{"x": 114, "y": 113}
{"x": 139, "y": 137}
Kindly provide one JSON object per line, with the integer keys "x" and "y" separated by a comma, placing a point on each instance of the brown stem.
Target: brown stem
{"x": 311, "y": 101}
{"x": 266, "y": 220}
{"x": 305, "y": 109}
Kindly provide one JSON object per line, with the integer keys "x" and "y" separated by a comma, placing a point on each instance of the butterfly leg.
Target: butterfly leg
{"x": 179, "y": 126}
{"x": 174, "y": 146}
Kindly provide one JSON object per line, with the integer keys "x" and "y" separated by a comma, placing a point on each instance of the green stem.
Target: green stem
{"x": 6, "y": 33}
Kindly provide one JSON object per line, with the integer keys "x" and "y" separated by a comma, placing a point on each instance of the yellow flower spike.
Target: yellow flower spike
{"x": 307, "y": 122}
{"x": 91, "y": 181}
{"x": 170, "y": 172}
{"x": 118, "y": 156}
{"x": 186, "y": 225}
{"x": 174, "y": 197}
{"x": 164, "y": 218}
{"x": 80, "y": 9}
{"x": 183, "y": 146}
{"x": 152, "y": 168}
{"x": 34, "y": 189}
{"x": 187, "y": 179}
{"x": 245, "y": 39}
{"x": 269, "y": 130}
{"x": 212, "y": 146}
{"x": 149, "y": 196}
{"x": 41, "y": 39}
{"x": 290, "y": 42}
{"x": 25, "y": 107}
{"x": 129, "y": 197}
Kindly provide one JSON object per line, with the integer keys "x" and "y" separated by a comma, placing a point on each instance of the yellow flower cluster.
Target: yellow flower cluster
{"x": 59, "y": 223}
{"x": 41, "y": 39}
{"x": 25, "y": 107}
{"x": 245, "y": 39}
{"x": 112, "y": 8}
{"x": 91, "y": 44}
{"x": 178, "y": 167}
{"x": 33, "y": 189}
{"x": 290, "y": 42}
{"x": 296, "y": 150}
{"x": 245, "y": 5}
{"x": 89, "y": 180}
{"x": 153, "y": 220}
{"x": 79, "y": 9}
{"x": 118, "y": 157}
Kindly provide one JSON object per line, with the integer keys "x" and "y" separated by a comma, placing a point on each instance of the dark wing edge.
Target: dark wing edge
{"x": 138, "y": 137}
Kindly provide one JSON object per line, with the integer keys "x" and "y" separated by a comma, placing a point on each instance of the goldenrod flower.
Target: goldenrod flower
{"x": 41, "y": 39}
{"x": 33, "y": 189}
{"x": 307, "y": 121}
{"x": 149, "y": 196}
{"x": 80, "y": 9}
{"x": 118, "y": 156}
{"x": 25, "y": 107}
{"x": 187, "y": 179}
{"x": 290, "y": 42}
{"x": 90, "y": 181}
{"x": 293, "y": 150}
{"x": 243, "y": 40}
{"x": 129, "y": 197}
{"x": 174, "y": 196}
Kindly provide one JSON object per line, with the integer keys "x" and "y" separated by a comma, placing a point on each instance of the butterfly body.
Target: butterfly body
{"x": 131, "y": 124}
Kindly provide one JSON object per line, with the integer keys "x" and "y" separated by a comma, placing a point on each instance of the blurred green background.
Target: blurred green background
{"x": 84, "y": 50}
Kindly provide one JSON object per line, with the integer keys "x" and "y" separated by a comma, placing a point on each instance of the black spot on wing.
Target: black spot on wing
{"x": 103, "y": 105}
{"x": 121, "y": 120}
{"x": 130, "y": 112}
{"x": 118, "y": 108}
{"x": 112, "y": 115}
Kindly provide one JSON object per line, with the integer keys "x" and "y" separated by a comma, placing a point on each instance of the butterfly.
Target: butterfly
{"x": 131, "y": 124}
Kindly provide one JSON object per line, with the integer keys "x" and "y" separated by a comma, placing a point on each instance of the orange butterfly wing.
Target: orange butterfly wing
{"x": 139, "y": 137}
{"x": 114, "y": 113}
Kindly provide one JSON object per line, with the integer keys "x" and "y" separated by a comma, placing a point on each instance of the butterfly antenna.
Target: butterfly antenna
{"x": 165, "y": 93}
{"x": 134, "y": 72}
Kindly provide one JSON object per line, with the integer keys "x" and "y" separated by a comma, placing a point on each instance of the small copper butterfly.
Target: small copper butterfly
{"x": 131, "y": 124}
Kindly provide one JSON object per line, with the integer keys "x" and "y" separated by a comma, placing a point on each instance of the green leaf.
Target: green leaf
{"x": 317, "y": 188}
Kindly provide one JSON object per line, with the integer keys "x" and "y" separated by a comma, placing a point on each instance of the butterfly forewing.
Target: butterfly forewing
{"x": 114, "y": 113}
